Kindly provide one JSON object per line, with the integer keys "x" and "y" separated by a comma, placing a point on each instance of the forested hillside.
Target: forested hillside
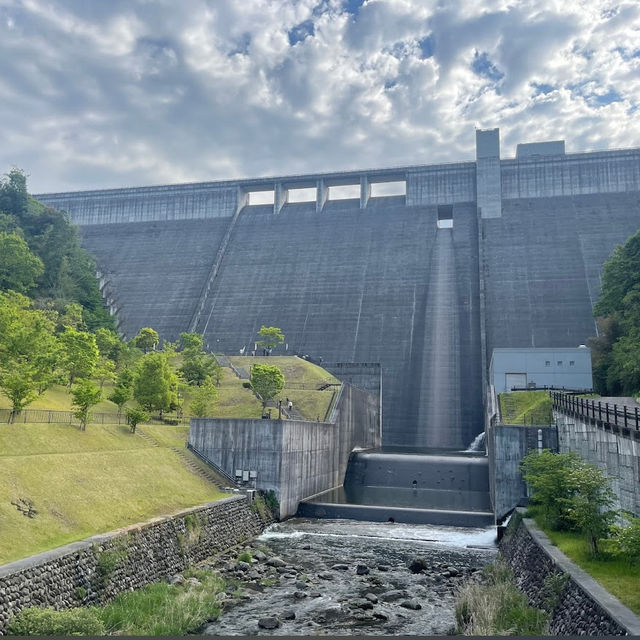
{"x": 41, "y": 256}
{"x": 616, "y": 351}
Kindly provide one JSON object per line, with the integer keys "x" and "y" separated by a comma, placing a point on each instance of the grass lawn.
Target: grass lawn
{"x": 83, "y": 483}
{"x": 617, "y": 576}
{"x": 526, "y": 407}
{"x": 57, "y": 398}
{"x": 309, "y": 403}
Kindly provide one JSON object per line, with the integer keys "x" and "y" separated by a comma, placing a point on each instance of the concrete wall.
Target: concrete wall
{"x": 583, "y": 607}
{"x": 296, "y": 459}
{"x": 568, "y": 368}
{"x": 71, "y": 576}
{"x": 571, "y": 175}
{"x": 353, "y": 280}
{"x": 506, "y": 446}
{"x": 617, "y": 454}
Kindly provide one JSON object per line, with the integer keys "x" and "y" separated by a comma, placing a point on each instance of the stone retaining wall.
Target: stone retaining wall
{"x": 583, "y": 606}
{"x": 95, "y": 570}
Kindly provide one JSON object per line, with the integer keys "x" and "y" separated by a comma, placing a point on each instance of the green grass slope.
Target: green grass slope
{"x": 83, "y": 483}
{"x": 526, "y": 407}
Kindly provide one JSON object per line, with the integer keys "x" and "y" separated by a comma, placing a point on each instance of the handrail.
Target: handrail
{"x": 219, "y": 470}
{"x": 604, "y": 413}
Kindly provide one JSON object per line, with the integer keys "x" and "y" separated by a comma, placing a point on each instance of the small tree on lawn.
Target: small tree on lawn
{"x": 79, "y": 353}
{"x": 155, "y": 385}
{"x": 147, "y": 339}
{"x": 135, "y": 416}
{"x": 120, "y": 396}
{"x": 589, "y": 508}
{"x": 548, "y": 477}
{"x": 270, "y": 337}
{"x": 85, "y": 395}
{"x": 267, "y": 381}
{"x": 204, "y": 399}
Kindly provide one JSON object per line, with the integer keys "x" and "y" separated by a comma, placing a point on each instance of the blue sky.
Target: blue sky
{"x": 107, "y": 93}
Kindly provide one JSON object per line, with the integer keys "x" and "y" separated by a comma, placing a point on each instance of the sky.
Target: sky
{"x": 112, "y": 93}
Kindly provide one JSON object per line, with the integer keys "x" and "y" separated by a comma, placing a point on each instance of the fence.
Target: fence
{"x": 607, "y": 415}
{"x": 50, "y": 416}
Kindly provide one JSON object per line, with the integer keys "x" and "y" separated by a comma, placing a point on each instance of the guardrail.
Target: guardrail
{"x": 607, "y": 415}
{"x": 551, "y": 388}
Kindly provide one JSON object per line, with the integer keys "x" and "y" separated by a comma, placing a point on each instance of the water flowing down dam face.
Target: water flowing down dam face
{"x": 439, "y": 417}
{"x": 352, "y": 578}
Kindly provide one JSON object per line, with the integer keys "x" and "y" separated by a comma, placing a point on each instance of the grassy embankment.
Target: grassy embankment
{"x": 526, "y": 407}
{"x": 234, "y": 400}
{"x": 309, "y": 402}
{"x": 616, "y": 575}
{"x": 83, "y": 483}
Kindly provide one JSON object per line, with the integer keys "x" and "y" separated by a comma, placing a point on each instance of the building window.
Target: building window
{"x": 547, "y": 363}
{"x": 559, "y": 363}
{"x": 572, "y": 363}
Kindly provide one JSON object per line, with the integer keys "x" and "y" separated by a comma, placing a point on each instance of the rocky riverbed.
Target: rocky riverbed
{"x": 314, "y": 577}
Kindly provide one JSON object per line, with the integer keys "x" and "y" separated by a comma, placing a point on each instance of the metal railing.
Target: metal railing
{"x": 51, "y": 416}
{"x": 605, "y": 414}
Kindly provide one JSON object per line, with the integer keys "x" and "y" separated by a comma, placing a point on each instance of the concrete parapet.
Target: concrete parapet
{"x": 295, "y": 459}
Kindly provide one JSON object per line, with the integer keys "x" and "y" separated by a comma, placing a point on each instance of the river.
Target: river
{"x": 342, "y": 577}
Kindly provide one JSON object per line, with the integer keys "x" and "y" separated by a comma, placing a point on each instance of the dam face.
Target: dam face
{"x": 376, "y": 278}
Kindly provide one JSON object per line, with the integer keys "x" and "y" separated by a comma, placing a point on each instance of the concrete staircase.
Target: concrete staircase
{"x": 191, "y": 462}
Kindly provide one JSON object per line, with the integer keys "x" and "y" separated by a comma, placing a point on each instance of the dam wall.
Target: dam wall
{"x": 388, "y": 277}
{"x": 294, "y": 458}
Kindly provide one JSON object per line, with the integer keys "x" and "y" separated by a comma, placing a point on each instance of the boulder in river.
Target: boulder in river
{"x": 362, "y": 569}
{"x": 418, "y": 565}
{"x": 269, "y": 623}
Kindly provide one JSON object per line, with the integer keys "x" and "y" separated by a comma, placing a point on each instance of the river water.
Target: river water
{"x": 342, "y": 577}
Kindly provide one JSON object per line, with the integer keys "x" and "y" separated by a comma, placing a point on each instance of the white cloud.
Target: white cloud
{"x": 111, "y": 93}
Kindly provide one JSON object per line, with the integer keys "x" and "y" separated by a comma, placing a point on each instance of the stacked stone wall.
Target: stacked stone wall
{"x": 582, "y": 606}
{"x": 95, "y": 570}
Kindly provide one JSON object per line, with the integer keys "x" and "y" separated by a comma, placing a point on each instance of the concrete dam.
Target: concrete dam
{"x": 423, "y": 269}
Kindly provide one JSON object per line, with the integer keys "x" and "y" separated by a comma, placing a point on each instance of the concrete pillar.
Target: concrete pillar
{"x": 322, "y": 194}
{"x": 280, "y": 198}
{"x": 488, "y": 179}
{"x": 365, "y": 191}
{"x": 242, "y": 199}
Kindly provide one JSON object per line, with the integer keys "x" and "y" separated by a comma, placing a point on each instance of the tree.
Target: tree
{"x": 19, "y": 268}
{"x": 271, "y": 337}
{"x": 191, "y": 342}
{"x": 80, "y": 353}
{"x": 108, "y": 343}
{"x": 123, "y": 389}
{"x": 147, "y": 339}
{"x": 547, "y": 475}
{"x": 85, "y": 395}
{"x": 135, "y": 416}
{"x": 120, "y": 396}
{"x": 105, "y": 369}
{"x": 589, "y": 506}
{"x": 267, "y": 381}
{"x": 615, "y": 351}
{"x": 571, "y": 493}
{"x": 204, "y": 399}
{"x": 155, "y": 385}
{"x": 28, "y": 350}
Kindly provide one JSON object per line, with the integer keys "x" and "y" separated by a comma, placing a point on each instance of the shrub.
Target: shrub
{"x": 497, "y": 607}
{"x": 571, "y": 494}
{"x": 47, "y": 622}
{"x": 626, "y": 541}
{"x": 245, "y": 556}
